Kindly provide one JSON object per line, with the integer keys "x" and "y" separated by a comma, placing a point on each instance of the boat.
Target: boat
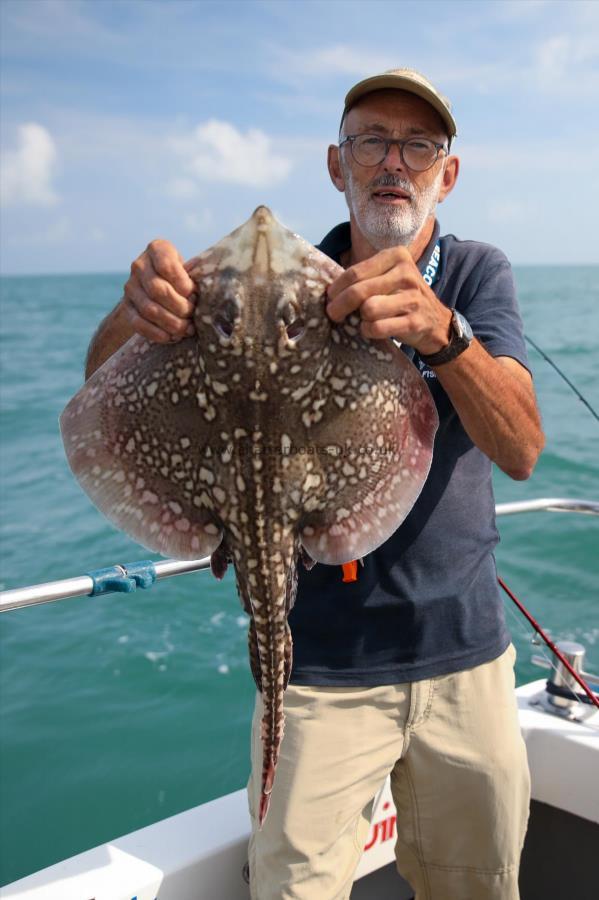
{"x": 201, "y": 854}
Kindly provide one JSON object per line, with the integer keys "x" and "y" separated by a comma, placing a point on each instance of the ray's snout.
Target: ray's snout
{"x": 262, "y": 214}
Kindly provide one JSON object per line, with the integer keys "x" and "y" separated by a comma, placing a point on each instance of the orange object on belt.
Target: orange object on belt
{"x": 350, "y": 571}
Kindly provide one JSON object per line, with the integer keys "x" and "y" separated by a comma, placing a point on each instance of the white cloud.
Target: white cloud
{"x": 353, "y": 61}
{"x": 66, "y": 25}
{"x": 568, "y": 63}
{"x": 27, "y": 172}
{"x": 518, "y": 10}
{"x": 343, "y": 59}
{"x": 55, "y": 233}
{"x": 181, "y": 188}
{"x": 217, "y": 151}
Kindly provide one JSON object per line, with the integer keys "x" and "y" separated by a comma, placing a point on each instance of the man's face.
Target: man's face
{"x": 390, "y": 202}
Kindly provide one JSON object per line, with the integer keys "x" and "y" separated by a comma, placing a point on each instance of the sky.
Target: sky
{"x": 131, "y": 120}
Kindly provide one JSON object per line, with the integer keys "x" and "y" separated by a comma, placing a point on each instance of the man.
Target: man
{"x": 409, "y": 670}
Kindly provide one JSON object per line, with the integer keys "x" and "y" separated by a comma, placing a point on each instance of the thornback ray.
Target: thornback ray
{"x": 272, "y": 434}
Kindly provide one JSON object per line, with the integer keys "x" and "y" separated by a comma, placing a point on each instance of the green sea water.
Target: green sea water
{"x": 119, "y": 711}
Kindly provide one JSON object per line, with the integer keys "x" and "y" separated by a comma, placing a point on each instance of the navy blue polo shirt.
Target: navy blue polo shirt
{"x": 426, "y": 602}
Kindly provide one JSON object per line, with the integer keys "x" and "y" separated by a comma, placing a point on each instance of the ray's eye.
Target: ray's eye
{"x": 295, "y": 329}
{"x": 293, "y": 321}
{"x": 224, "y": 320}
{"x": 223, "y": 326}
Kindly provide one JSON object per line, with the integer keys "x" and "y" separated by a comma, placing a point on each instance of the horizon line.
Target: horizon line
{"x": 125, "y": 273}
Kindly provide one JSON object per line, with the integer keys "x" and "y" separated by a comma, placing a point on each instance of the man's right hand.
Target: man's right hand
{"x": 158, "y": 300}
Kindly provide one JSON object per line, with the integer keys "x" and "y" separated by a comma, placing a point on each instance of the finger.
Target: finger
{"x": 142, "y": 326}
{"x": 376, "y": 265}
{"x": 155, "y": 313}
{"x": 168, "y": 263}
{"x": 161, "y": 292}
{"x": 385, "y": 328}
{"x": 145, "y": 279}
{"x": 389, "y": 306}
{"x": 398, "y": 279}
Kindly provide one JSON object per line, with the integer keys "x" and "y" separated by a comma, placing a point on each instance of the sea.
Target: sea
{"x": 122, "y": 710}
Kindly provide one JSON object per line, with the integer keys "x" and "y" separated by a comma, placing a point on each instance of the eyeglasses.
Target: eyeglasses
{"x": 418, "y": 154}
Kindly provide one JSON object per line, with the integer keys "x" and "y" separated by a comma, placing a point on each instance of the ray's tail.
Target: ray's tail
{"x": 275, "y": 665}
{"x": 267, "y": 590}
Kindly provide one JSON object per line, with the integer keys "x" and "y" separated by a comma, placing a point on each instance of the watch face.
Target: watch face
{"x": 462, "y": 327}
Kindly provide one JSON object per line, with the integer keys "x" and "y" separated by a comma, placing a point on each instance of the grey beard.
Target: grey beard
{"x": 388, "y": 227}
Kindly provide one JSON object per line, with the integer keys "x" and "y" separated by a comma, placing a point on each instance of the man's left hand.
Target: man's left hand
{"x": 393, "y": 300}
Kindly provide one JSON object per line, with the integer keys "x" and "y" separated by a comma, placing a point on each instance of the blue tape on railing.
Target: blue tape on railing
{"x": 143, "y": 572}
{"x": 123, "y": 579}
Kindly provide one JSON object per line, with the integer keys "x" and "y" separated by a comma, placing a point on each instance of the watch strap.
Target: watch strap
{"x": 459, "y": 341}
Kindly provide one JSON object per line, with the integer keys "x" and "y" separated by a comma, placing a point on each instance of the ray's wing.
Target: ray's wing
{"x": 135, "y": 440}
{"x": 375, "y": 443}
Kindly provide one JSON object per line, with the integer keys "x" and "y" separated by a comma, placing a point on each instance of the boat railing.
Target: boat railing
{"x": 549, "y": 504}
{"x": 126, "y": 577}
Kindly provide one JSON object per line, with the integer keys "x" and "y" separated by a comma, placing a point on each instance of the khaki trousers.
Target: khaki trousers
{"x": 459, "y": 778}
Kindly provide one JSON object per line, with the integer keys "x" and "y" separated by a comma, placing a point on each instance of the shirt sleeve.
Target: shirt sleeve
{"x": 491, "y": 307}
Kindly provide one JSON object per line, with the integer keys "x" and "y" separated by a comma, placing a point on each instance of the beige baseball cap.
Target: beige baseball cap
{"x": 405, "y": 80}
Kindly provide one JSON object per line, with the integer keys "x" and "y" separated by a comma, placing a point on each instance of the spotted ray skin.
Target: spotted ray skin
{"x": 271, "y": 435}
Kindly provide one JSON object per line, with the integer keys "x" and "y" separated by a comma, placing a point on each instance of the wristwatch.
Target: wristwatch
{"x": 460, "y": 339}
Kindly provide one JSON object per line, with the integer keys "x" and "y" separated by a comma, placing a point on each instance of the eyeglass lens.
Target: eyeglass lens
{"x": 370, "y": 150}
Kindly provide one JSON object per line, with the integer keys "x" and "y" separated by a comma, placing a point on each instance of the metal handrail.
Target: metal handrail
{"x": 83, "y": 585}
{"x": 550, "y": 504}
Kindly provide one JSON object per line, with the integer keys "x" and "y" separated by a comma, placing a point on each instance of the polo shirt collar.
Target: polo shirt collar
{"x": 338, "y": 240}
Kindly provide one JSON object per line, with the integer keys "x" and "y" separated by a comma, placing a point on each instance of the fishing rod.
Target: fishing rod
{"x": 565, "y": 377}
{"x": 592, "y": 697}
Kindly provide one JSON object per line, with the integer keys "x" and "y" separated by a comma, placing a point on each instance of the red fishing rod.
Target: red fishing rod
{"x": 590, "y": 694}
